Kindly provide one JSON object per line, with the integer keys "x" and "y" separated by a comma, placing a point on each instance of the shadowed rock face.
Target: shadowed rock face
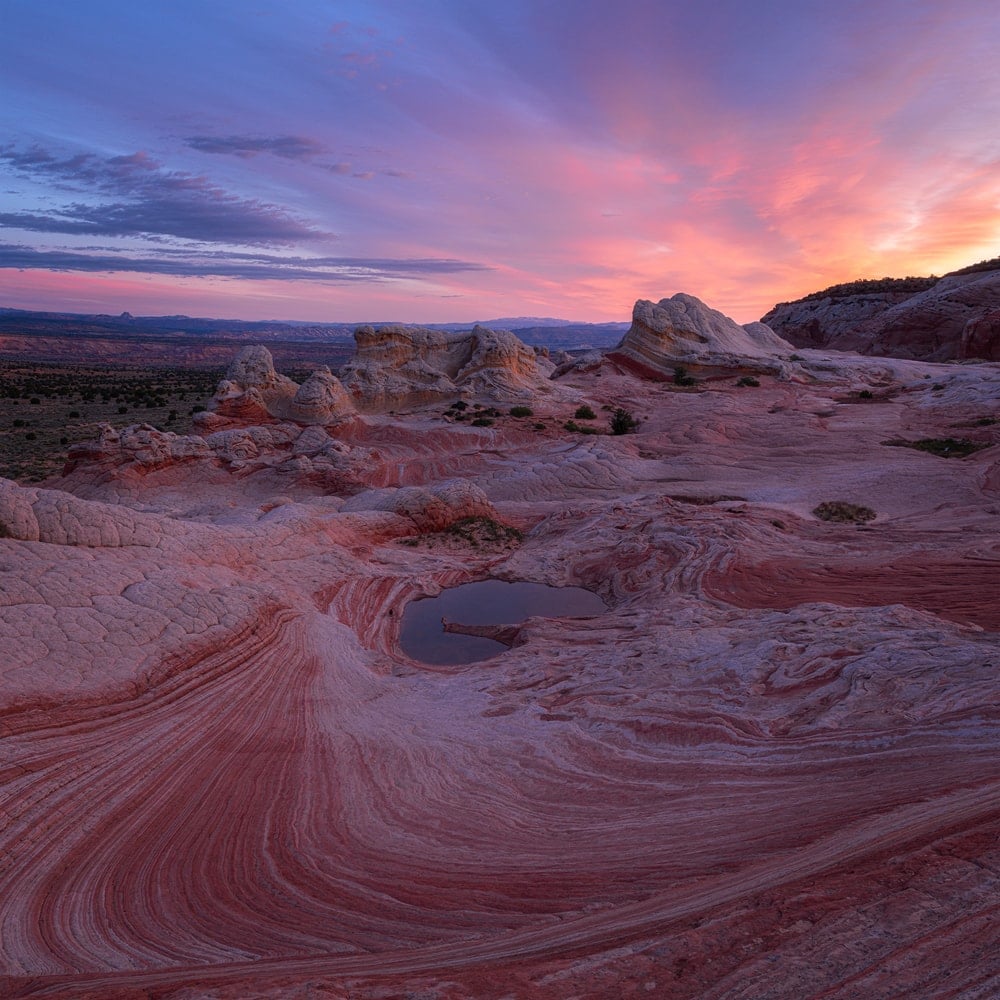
{"x": 956, "y": 318}
{"x": 683, "y": 331}
{"x": 769, "y": 770}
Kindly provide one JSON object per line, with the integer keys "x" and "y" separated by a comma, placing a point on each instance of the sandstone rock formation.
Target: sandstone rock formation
{"x": 252, "y": 389}
{"x": 770, "y": 770}
{"x": 955, "y": 318}
{"x": 683, "y": 332}
{"x": 400, "y": 366}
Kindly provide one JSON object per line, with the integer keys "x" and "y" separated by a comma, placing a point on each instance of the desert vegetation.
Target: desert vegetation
{"x": 622, "y": 422}
{"x": 47, "y": 408}
{"x": 844, "y": 512}
{"x": 942, "y": 447}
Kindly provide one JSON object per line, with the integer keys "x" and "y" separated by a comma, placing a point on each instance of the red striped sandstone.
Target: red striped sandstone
{"x": 770, "y": 771}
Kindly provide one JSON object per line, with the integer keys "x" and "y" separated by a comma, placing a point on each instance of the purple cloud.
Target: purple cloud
{"x": 160, "y": 202}
{"x": 235, "y": 265}
{"x": 288, "y": 147}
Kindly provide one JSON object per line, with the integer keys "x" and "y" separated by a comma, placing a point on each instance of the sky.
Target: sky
{"x": 454, "y": 160}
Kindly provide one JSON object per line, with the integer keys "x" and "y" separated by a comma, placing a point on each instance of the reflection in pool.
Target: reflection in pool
{"x": 489, "y": 602}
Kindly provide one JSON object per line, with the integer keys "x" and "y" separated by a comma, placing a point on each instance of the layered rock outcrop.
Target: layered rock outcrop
{"x": 683, "y": 332}
{"x": 955, "y": 318}
{"x": 400, "y": 366}
{"x": 253, "y": 391}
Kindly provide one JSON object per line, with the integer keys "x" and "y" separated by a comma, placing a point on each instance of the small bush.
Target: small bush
{"x": 18, "y": 423}
{"x": 484, "y": 531}
{"x": 64, "y": 441}
{"x": 795, "y": 357}
{"x": 460, "y": 405}
{"x": 622, "y": 422}
{"x": 584, "y": 413}
{"x": 30, "y": 436}
{"x": 844, "y": 512}
{"x": 748, "y": 381}
{"x": 539, "y": 427}
{"x": 124, "y": 409}
{"x": 942, "y": 447}
{"x": 865, "y": 394}
{"x": 521, "y": 411}
{"x": 681, "y": 377}
{"x": 74, "y": 414}
{"x": 35, "y": 401}
{"x": 571, "y": 425}
{"x": 482, "y": 422}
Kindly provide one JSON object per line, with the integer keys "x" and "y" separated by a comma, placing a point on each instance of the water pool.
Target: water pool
{"x": 488, "y": 602}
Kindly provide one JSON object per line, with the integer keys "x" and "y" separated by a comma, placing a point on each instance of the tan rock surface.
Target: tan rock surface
{"x": 683, "y": 332}
{"x": 396, "y": 367}
{"x": 771, "y": 770}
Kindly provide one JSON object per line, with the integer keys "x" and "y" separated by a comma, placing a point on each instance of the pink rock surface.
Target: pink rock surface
{"x": 771, "y": 770}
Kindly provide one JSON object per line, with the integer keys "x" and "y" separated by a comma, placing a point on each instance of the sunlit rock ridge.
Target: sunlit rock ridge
{"x": 769, "y": 770}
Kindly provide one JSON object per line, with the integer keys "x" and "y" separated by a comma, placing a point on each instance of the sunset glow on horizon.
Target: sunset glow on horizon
{"x": 457, "y": 160}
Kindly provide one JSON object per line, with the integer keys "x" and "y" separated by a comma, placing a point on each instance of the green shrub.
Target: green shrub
{"x": 584, "y": 413}
{"x": 571, "y": 425}
{"x": 865, "y": 394}
{"x": 942, "y": 447}
{"x": 482, "y": 422}
{"x": 844, "y": 512}
{"x": 681, "y": 377}
{"x": 521, "y": 411}
{"x": 74, "y": 414}
{"x": 748, "y": 381}
{"x": 622, "y": 421}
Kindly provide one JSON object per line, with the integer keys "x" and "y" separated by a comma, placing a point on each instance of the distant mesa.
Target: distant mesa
{"x": 683, "y": 331}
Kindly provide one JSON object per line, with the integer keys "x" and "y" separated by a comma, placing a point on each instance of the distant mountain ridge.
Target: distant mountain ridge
{"x": 540, "y": 330}
{"x": 186, "y": 340}
{"x": 956, "y": 317}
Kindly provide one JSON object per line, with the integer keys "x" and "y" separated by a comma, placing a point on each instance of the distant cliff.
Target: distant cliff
{"x": 935, "y": 319}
